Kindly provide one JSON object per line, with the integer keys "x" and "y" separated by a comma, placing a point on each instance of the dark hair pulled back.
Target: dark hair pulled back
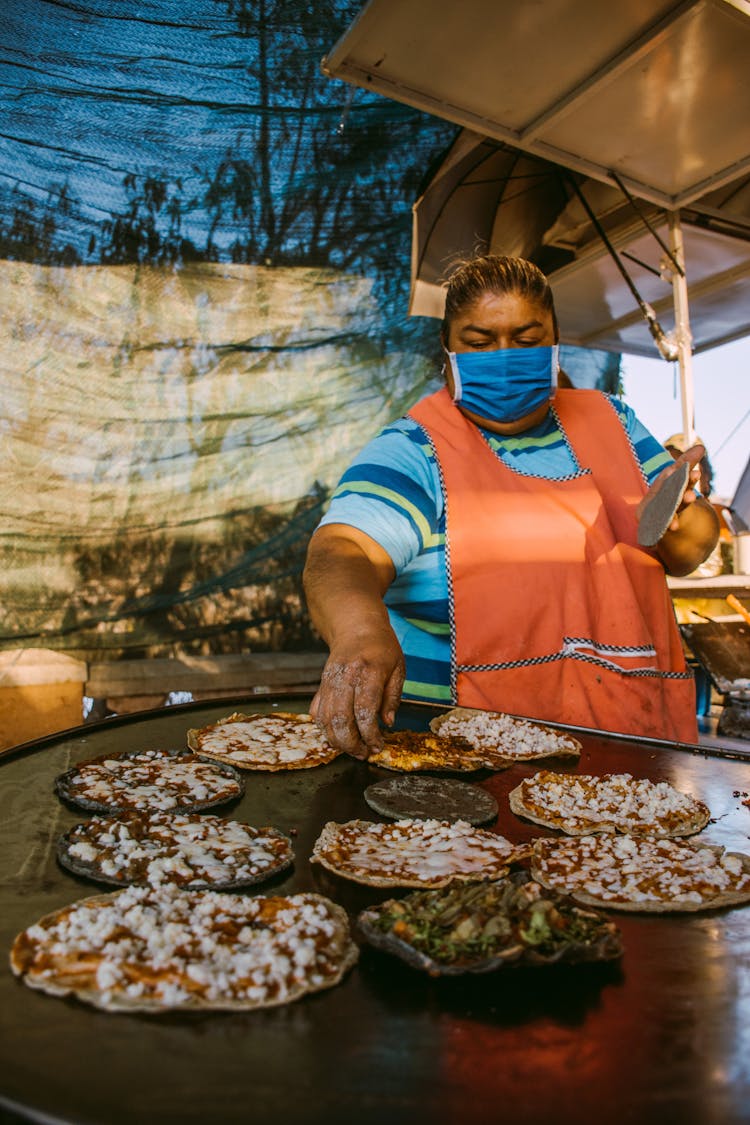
{"x": 495, "y": 273}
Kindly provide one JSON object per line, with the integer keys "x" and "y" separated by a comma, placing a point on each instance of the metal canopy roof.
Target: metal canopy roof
{"x": 487, "y": 196}
{"x": 656, "y": 91}
{"x": 597, "y": 310}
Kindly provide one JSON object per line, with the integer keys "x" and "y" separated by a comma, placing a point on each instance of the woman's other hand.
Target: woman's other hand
{"x": 694, "y": 529}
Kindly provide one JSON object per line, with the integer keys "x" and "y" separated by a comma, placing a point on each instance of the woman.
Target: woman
{"x": 491, "y": 538}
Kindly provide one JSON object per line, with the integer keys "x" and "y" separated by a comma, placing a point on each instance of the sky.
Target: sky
{"x": 721, "y": 380}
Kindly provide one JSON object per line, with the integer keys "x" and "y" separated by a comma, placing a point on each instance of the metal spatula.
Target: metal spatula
{"x": 659, "y": 511}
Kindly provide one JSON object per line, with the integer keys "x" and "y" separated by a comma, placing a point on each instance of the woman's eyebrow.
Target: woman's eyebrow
{"x": 489, "y": 332}
{"x": 477, "y": 328}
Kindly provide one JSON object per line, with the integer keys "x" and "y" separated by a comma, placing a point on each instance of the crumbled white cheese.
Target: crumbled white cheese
{"x": 151, "y": 779}
{"x": 189, "y": 850}
{"x": 167, "y": 945}
{"x": 415, "y": 850}
{"x": 270, "y": 740}
{"x": 626, "y": 803}
{"x": 644, "y": 869}
{"x": 514, "y": 738}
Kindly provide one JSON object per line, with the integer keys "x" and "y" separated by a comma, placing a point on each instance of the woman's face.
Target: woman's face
{"x": 501, "y": 320}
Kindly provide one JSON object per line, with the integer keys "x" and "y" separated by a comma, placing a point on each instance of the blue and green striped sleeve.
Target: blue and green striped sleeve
{"x": 391, "y": 491}
{"x": 652, "y": 457}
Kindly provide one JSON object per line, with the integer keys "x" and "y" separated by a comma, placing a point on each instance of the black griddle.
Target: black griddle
{"x": 659, "y": 1036}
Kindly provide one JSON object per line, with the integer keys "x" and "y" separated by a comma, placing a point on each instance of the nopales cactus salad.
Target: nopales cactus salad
{"x": 476, "y": 927}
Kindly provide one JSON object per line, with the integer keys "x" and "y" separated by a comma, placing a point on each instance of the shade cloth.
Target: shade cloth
{"x": 204, "y": 260}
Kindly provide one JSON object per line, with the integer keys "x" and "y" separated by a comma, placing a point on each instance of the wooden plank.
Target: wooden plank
{"x": 234, "y": 672}
{"x": 717, "y": 587}
{"x": 22, "y": 667}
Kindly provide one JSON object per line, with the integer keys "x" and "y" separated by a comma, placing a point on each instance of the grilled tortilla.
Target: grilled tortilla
{"x": 278, "y": 741}
{"x": 160, "y": 949}
{"x": 504, "y": 739}
{"x": 637, "y": 873}
{"x": 580, "y": 804}
{"x": 413, "y": 853}
{"x": 161, "y": 780}
{"x": 190, "y": 851}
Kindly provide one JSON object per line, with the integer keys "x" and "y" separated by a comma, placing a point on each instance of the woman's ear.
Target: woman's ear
{"x": 447, "y": 373}
{"x": 444, "y": 334}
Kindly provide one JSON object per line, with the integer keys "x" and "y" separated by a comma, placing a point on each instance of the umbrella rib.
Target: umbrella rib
{"x": 654, "y": 327}
{"x": 644, "y": 219}
{"x": 642, "y": 264}
{"x": 480, "y": 159}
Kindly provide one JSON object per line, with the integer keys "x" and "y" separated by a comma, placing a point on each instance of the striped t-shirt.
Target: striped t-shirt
{"x": 392, "y": 492}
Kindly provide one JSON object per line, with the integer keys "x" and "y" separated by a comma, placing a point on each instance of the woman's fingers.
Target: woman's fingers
{"x": 392, "y": 694}
{"x": 354, "y": 693}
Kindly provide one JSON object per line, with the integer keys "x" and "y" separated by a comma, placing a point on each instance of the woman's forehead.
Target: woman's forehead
{"x": 508, "y": 309}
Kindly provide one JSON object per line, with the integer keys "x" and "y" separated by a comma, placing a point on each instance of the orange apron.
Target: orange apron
{"x": 556, "y": 612}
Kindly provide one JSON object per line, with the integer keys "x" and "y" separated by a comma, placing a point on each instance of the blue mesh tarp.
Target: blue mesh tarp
{"x": 204, "y": 250}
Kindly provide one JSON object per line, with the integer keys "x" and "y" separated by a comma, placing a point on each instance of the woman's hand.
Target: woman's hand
{"x": 694, "y": 530}
{"x": 346, "y": 576}
{"x": 691, "y": 457}
{"x": 360, "y": 685}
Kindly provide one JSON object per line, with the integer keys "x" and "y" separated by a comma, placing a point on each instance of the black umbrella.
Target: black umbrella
{"x": 614, "y": 262}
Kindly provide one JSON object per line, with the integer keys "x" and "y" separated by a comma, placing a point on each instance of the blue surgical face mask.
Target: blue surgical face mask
{"x": 506, "y": 384}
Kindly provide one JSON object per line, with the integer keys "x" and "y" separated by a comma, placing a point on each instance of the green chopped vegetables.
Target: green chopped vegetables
{"x": 477, "y": 925}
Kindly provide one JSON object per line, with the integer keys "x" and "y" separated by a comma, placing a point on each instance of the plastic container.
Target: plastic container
{"x": 741, "y": 553}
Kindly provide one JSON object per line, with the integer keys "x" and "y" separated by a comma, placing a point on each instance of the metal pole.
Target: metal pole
{"x": 667, "y": 347}
{"x": 683, "y": 335}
